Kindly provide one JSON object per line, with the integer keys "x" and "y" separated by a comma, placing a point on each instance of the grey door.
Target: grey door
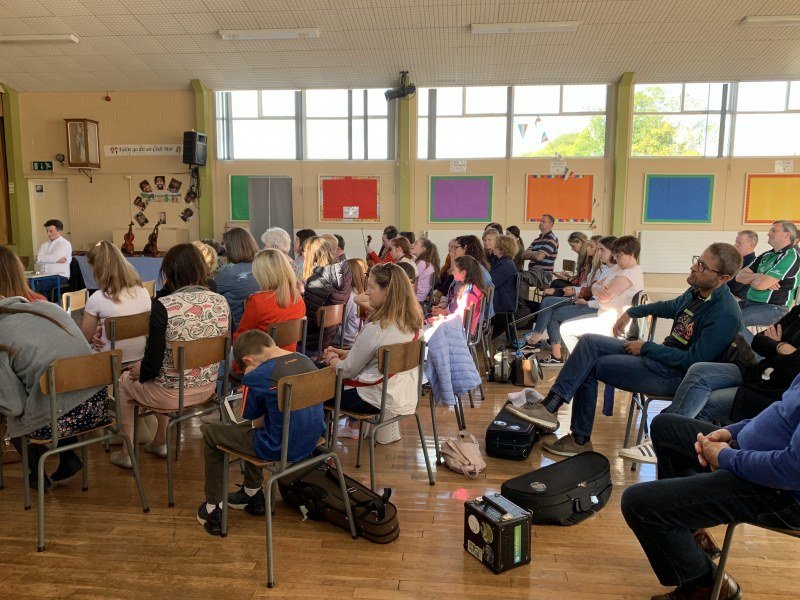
{"x": 270, "y": 201}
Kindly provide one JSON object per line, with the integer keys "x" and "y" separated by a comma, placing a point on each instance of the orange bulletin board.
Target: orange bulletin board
{"x": 568, "y": 200}
{"x": 347, "y": 199}
{"x": 772, "y": 197}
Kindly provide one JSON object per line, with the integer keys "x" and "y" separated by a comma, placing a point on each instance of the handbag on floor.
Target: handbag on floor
{"x": 525, "y": 369}
{"x": 317, "y": 493}
{"x": 564, "y": 493}
{"x": 462, "y": 454}
{"x": 509, "y": 436}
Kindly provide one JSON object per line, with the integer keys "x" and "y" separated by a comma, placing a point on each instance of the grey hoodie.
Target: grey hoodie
{"x": 35, "y": 343}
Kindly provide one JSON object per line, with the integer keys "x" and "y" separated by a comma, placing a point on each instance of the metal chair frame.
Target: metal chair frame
{"x": 281, "y": 333}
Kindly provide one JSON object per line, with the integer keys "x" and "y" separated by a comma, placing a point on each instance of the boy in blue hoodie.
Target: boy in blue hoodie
{"x": 263, "y": 364}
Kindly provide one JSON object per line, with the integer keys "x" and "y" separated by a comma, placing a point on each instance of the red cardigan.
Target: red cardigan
{"x": 261, "y": 310}
{"x": 380, "y": 261}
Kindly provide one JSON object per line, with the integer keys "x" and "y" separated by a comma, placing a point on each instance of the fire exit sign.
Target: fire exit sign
{"x": 42, "y": 165}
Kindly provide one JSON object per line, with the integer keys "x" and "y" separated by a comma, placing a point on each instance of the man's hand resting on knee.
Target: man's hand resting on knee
{"x": 709, "y": 446}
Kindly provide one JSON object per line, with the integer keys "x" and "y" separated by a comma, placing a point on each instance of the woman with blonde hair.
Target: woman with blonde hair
{"x": 12, "y": 277}
{"x": 211, "y": 259}
{"x": 120, "y": 293}
{"x": 397, "y": 318}
{"x": 278, "y": 299}
{"x": 235, "y": 280}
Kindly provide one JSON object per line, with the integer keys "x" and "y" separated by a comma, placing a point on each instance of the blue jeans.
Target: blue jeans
{"x": 693, "y": 397}
{"x": 663, "y": 514}
{"x": 600, "y": 358}
{"x": 552, "y": 319}
{"x": 759, "y": 314}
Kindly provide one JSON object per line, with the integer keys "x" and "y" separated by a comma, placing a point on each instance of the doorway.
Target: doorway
{"x": 48, "y": 201}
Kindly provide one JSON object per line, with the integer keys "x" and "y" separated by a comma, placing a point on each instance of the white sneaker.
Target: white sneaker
{"x": 643, "y": 453}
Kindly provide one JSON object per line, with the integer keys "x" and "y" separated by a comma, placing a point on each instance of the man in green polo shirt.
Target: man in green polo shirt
{"x": 773, "y": 279}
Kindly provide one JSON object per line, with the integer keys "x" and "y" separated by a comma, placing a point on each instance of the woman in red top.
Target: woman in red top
{"x": 12, "y": 277}
{"x": 278, "y": 300}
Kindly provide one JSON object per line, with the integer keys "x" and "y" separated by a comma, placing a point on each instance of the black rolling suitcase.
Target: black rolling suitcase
{"x": 509, "y": 436}
{"x": 564, "y": 493}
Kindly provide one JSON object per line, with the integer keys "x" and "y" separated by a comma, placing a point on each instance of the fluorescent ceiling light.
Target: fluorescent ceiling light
{"x": 540, "y": 27}
{"x": 24, "y": 39}
{"x": 269, "y": 34}
{"x": 772, "y": 21}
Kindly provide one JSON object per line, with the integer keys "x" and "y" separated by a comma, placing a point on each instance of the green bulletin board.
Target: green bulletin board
{"x": 240, "y": 202}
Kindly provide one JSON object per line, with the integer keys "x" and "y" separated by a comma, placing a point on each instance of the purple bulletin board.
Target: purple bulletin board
{"x": 460, "y": 198}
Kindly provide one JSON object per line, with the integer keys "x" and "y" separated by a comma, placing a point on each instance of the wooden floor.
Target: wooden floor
{"x": 100, "y": 545}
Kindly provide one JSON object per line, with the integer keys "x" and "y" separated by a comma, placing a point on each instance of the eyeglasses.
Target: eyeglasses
{"x": 701, "y": 266}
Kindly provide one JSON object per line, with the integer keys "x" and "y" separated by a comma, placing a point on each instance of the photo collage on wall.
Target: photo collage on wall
{"x": 160, "y": 190}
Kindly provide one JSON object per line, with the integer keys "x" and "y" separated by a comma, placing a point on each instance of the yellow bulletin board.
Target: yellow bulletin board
{"x": 772, "y": 197}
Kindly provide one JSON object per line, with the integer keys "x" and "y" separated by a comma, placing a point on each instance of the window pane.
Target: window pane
{"x": 422, "y": 101}
{"x": 376, "y": 103}
{"x": 264, "y": 138}
{"x": 794, "y": 96}
{"x": 536, "y": 99}
{"x": 761, "y": 95}
{"x": 422, "y": 138}
{"x": 766, "y": 135}
{"x": 569, "y": 136}
{"x": 475, "y": 137}
{"x": 358, "y": 136}
{"x": 244, "y": 104}
{"x": 487, "y": 100}
{"x": 326, "y": 138}
{"x": 378, "y": 139}
{"x": 657, "y": 98}
{"x": 584, "y": 98}
{"x": 358, "y": 103}
{"x": 277, "y": 103}
{"x": 702, "y": 96}
{"x": 449, "y": 101}
{"x": 326, "y": 103}
{"x": 675, "y": 135}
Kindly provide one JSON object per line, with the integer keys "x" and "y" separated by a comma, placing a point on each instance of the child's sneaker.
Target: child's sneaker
{"x": 211, "y": 521}
{"x": 253, "y": 505}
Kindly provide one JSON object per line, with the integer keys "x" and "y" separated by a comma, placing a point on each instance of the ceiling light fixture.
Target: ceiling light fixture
{"x": 27, "y": 39}
{"x": 540, "y": 27}
{"x": 269, "y": 34}
{"x": 771, "y": 21}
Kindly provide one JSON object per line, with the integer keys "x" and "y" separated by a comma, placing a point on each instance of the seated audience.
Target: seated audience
{"x": 261, "y": 435}
{"x": 352, "y": 318}
{"x": 471, "y": 292}
{"x": 773, "y": 279}
{"x": 54, "y": 257}
{"x": 401, "y": 252}
{"x": 409, "y": 235}
{"x": 120, "y": 293}
{"x": 555, "y": 310}
{"x": 328, "y": 282}
{"x": 748, "y": 472}
{"x": 445, "y": 274}
{"x": 469, "y": 245}
{"x": 12, "y": 277}
{"x": 278, "y": 299}
{"x": 235, "y": 281}
{"x": 23, "y": 360}
{"x": 384, "y": 254}
{"x": 190, "y": 312}
{"x": 218, "y": 248}
{"x": 427, "y": 256}
{"x": 410, "y": 270}
{"x": 339, "y": 252}
{"x": 300, "y": 239}
{"x": 746, "y": 242}
{"x": 514, "y": 232}
{"x": 579, "y": 244}
{"x": 495, "y": 226}
{"x": 279, "y": 239}
{"x": 705, "y": 317}
{"x": 542, "y": 254}
{"x": 489, "y": 239}
{"x": 211, "y": 259}
{"x": 397, "y": 318}
{"x": 504, "y": 278}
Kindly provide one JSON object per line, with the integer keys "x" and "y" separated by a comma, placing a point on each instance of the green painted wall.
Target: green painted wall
{"x": 204, "y": 121}
{"x": 621, "y": 150}
{"x": 21, "y": 231}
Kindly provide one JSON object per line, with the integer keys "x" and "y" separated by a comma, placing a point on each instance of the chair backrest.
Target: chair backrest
{"x": 289, "y": 332}
{"x": 150, "y": 286}
{"x": 307, "y": 389}
{"x": 328, "y": 316}
{"x": 568, "y": 265}
{"x": 127, "y": 327}
{"x": 74, "y": 300}
{"x": 396, "y": 358}
{"x": 81, "y": 372}
{"x": 199, "y": 353}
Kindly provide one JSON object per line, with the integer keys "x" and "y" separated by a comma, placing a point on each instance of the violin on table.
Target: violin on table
{"x": 151, "y": 248}
{"x": 127, "y": 244}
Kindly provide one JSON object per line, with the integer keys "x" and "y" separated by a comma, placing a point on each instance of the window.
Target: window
{"x": 313, "y": 124}
{"x": 767, "y": 119}
{"x": 679, "y": 119}
{"x": 499, "y": 122}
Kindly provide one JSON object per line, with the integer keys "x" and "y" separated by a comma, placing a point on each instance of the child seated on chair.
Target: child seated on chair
{"x": 260, "y": 436}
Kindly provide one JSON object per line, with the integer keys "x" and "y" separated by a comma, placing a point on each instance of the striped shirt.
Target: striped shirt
{"x": 783, "y": 265}
{"x": 547, "y": 243}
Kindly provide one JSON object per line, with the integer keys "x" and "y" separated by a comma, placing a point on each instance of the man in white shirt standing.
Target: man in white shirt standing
{"x": 54, "y": 256}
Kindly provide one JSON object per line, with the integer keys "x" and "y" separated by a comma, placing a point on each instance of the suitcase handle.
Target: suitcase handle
{"x": 496, "y": 505}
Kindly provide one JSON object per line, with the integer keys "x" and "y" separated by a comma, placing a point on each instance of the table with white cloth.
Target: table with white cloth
{"x": 148, "y": 268}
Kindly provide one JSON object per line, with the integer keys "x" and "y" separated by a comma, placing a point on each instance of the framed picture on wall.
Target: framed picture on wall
{"x": 83, "y": 144}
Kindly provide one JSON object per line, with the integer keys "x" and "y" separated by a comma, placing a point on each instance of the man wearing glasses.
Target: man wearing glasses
{"x": 705, "y": 317}
{"x": 772, "y": 279}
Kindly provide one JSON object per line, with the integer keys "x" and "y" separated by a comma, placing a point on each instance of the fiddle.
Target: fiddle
{"x": 151, "y": 249}
{"x": 127, "y": 245}
{"x": 368, "y": 241}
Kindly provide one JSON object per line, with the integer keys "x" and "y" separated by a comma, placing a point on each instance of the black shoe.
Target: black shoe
{"x": 253, "y": 505}
{"x": 212, "y": 521}
{"x": 34, "y": 483}
{"x": 68, "y": 466}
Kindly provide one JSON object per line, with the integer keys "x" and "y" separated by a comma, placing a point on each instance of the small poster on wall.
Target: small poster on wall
{"x": 350, "y": 212}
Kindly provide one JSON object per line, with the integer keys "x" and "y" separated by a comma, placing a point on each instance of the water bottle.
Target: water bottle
{"x": 38, "y": 267}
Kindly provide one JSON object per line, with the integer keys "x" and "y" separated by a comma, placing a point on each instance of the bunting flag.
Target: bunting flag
{"x": 569, "y": 173}
{"x": 545, "y": 138}
{"x": 538, "y": 121}
{"x": 523, "y": 127}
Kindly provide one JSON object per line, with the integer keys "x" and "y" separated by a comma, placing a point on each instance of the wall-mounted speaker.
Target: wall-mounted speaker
{"x": 194, "y": 148}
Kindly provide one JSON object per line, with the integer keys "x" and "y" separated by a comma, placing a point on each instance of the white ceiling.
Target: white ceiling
{"x": 163, "y": 44}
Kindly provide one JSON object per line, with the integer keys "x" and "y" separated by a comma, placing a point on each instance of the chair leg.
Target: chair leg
{"x": 723, "y": 560}
{"x": 136, "y": 431}
{"x": 462, "y": 421}
{"x": 26, "y": 489}
{"x": 471, "y": 399}
{"x": 435, "y": 431}
{"x": 136, "y": 474}
{"x": 226, "y": 465}
{"x": 360, "y": 439}
{"x": 170, "y": 496}
{"x": 2, "y": 484}
{"x": 40, "y": 503}
{"x": 107, "y": 443}
{"x": 268, "y": 517}
{"x": 631, "y": 410}
{"x": 177, "y": 440}
{"x": 372, "y": 459}
{"x": 345, "y": 496}
{"x": 85, "y": 468}
{"x": 642, "y": 428}
{"x": 431, "y": 480}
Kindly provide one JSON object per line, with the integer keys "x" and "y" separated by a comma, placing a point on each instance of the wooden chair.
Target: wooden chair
{"x": 726, "y": 548}
{"x": 186, "y": 356}
{"x": 71, "y": 375}
{"x": 127, "y": 327}
{"x": 290, "y": 332}
{"x": 73, "y": 301}
{"x": 150, "y": 286}
{"x": 392, "y": 359}
{"x": 328, "y": 316}
{"x": 295, "y": 392}
{"x": 568, "y": 265}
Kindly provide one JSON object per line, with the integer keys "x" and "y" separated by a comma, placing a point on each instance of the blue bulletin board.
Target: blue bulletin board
{"x": 678, "y": 198}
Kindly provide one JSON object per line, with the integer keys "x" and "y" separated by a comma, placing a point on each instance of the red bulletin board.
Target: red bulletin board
{"x": 338, "y": 193}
